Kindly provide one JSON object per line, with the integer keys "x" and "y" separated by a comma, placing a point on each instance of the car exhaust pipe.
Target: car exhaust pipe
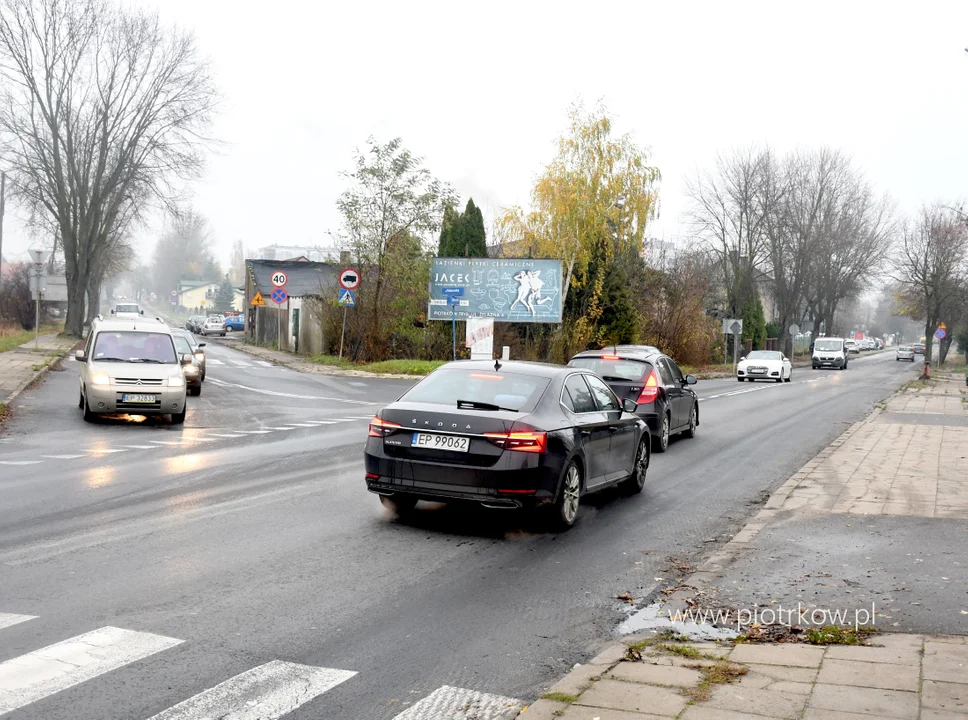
{"x": 501, "y": 504}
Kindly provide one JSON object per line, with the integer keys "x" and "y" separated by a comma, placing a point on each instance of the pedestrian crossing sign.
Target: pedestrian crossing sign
{"x": 346, "y": 298}
{"x": 258, "y": 301}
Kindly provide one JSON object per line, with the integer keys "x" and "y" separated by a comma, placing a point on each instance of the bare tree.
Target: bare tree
{"x": 100, "y": 105}
{"x": 932, "y": 266}
{"x": 727, "y": 214}
{"x": 183, "y": 252}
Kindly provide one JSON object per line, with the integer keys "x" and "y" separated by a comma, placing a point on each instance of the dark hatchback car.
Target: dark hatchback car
{"x": 652, "y": 381}
{"x": 512, "y": 435}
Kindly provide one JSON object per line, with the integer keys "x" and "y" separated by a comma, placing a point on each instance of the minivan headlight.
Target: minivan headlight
{"x": 176, "y": 381}
{"x": 100, "y": 379}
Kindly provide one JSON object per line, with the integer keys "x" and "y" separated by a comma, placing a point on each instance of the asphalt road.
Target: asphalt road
{"x": 247, "y": 537}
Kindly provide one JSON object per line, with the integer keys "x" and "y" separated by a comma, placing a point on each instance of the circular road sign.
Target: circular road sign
{"x": 279, "y": 278}
{"x": 279, "y": 295}
{"x": 349, "y": 279}
{"x": 940, "y": 333}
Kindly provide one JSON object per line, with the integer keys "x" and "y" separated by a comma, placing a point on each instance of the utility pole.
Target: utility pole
{"x": 3, "y": 192}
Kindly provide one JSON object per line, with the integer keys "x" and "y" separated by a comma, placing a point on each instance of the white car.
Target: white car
{"x": 127, "y": 310}
{"x": 904, "y": 352}
{"x": 214, "y": 325}
{"x": 765, "y": 365}
{"x": 852, "y": 346}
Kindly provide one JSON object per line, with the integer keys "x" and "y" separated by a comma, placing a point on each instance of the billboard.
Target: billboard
{"x": 506, "y": 289}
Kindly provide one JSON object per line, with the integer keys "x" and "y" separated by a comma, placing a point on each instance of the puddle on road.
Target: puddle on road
{"x": 648, "y": 619}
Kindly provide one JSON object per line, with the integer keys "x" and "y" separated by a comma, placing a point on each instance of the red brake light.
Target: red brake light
{"x": 610, "y": 357}
{"x": 381, "y": 428}
{"x": 535, "y": 442}
{"x": 651, "y": 390}
{"x": 482, "y": 376}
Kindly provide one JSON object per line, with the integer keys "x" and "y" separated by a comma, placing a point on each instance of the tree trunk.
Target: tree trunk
{"x": 76, "y": 291}
{"x": 93, "y": 300}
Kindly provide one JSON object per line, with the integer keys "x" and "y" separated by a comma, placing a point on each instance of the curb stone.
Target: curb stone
{"x": 54, "y": 359}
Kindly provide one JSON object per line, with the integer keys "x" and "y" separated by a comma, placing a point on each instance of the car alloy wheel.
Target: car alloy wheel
{"x": 693, "y": 422}
{"x": 566, "y": 508}
{"x": 662, "y": 444}
{"x": 636, "y": 481}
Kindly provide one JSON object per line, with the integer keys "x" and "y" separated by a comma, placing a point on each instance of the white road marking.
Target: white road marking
{"x": 108, "y": 451}
{"x": 301, "y": 425}
{"x": 282, "y": 428}
{"x": 322, "y": 422}
{"x": 296, "y": 396}
{"x": 142, "y": 447}
{"x": 255, "y": 432}
{"x": 213, "y": 361}
{"x": 36, "y": 675}
{"x": 357, "y": 384}
{"x": 63, "y": 457}
{"x": 264, "y": 363}
{"x": 361, "y": 417}
{"x": 451, "y": 703}
{"x": 240, "y": 363}
{"x": 166, "y": 442}
{"x": 266, "y": 692}
{"x": 228, "y": 435}
{"x": 8, "y": 619}
{"x": 20, "y": 462}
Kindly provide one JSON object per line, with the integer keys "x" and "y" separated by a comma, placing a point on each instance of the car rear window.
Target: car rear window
{"x": 126, "y": 308}
{"x": 613, "y": 368}
{"x": 133, "y": 346}
{"x": 510, "y": 390}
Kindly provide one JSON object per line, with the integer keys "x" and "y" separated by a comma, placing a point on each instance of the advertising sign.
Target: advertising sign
{"x": 505, "y": 289}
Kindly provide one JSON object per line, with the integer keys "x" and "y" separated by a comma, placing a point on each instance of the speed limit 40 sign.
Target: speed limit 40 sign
{"x": 279, "y": 278}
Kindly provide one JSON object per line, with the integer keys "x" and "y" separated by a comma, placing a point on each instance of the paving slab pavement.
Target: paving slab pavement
{"x": 24, "y": 364}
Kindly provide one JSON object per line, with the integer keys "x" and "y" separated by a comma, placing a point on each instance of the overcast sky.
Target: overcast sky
{"x": 482, "y": 93}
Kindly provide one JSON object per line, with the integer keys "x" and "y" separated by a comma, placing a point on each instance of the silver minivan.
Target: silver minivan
{"x": 130, "y": 366}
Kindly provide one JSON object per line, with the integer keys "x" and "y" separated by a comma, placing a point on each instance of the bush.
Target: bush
{"x": 16, "y": 305}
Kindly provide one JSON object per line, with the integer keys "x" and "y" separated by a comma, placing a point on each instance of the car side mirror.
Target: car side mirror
{"x": 201, "y": 344}
{"x": 112, "y": 312}
{"x": 629, "y": 406}
{"x": 142, "y": 312}
{"x": 187, "y": 359}
{"x": 742, "y": 358}
{"x": 79, "y": 356}
{"x": 691, "y": 380}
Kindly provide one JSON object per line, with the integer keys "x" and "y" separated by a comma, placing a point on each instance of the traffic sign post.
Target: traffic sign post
{"x": 349, "y": 280}
{"x": 453, "y": 299}
{"x": 279, "y": 278}
{"x": 736, "y": 328}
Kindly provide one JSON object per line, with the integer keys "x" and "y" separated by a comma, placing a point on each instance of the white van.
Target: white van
{"x": 829, "y": 352}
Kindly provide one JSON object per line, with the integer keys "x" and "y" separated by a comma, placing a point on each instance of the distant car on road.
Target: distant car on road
{"x": 919, "y": 348}
{"x": 193, "y": 370}
{"x": 509, "y": 435}
{"x": 234, "y": 322}
{"x": 765, "y": 365}
{"x": 852, "y": 347}
{"x": 196, "y": 349}
{"x": 213, "y": 325}
{"x": 654, "y": 382}
{"x": 904, "y": 352}
{"x": 829, "y": 352}
{"x": 127, "y": 310}
{"x": 194, "y": 323}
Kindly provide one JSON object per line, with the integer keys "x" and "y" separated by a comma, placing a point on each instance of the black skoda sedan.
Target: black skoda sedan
{"x": 511, "y": 435}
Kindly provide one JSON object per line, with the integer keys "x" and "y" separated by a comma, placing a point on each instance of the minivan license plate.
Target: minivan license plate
{"x": 125, "y": 397}
{"x": 431, "y": 441}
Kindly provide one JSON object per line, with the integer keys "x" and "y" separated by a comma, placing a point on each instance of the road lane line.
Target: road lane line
{"x": 296, "y": 396}
{"x": 302, "y": 425}
{"x": 213, "y": 361}
{"x": 166, "y": 442}
{"x": 240, "y": 363}
{"x": 452, "y": 703}
{"x": 282, "y": 428}
{"x": 322, "y": 422}
{"x": 32, "y": 677}
{"x": 20, "y": 462}
{"x": 264, "y": 363}
{"x": 63, "y": 457}
{"x": 266, "y": 692}
{"x": 108, "y": 451}
{"x": 255, "y": 432}
{"x": 227, "y": 435}
{"x": 141, "y": 447}
{"x": 10, "y": 619}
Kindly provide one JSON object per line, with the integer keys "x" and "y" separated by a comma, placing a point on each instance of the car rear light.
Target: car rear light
{"x": 535, "y": 442}
{"x": 610, "y": 357}
{"x": 510, "y": 491}
{"x": 381, "y": 428}
{"x": 372, "y": 476}
{"x": 651, "y": 390}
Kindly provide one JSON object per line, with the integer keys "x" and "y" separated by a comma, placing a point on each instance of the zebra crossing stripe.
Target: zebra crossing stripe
{"x": 301, "y": 425}
{"x": 255, "y": 432}
{"x": 214, "y": 361}
{"x": 20, "y": 462}
{"x": 227, "y": 435}
{"x": 142, "y": 447}
{"x": 31, "y": 677}
{"x": 264, "y": 363}
{"x": 62, "y": 457}
{"x": 265, "y": 692}
{"x": 323, "y": 422}
{"x": 8, "y": 619}
{"x": 451, "y": 703}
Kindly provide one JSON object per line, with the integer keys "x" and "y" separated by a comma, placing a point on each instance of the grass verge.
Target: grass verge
{"x": 559, "y": 697}
{"x": 403, "y": 367}
{"x": 11, "y": 338}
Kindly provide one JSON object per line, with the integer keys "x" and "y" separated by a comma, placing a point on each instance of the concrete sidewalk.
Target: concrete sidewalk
{"x": 22, "y": 365}
{"x": 874, "y": 530}
{"x": 904, "y": 677}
